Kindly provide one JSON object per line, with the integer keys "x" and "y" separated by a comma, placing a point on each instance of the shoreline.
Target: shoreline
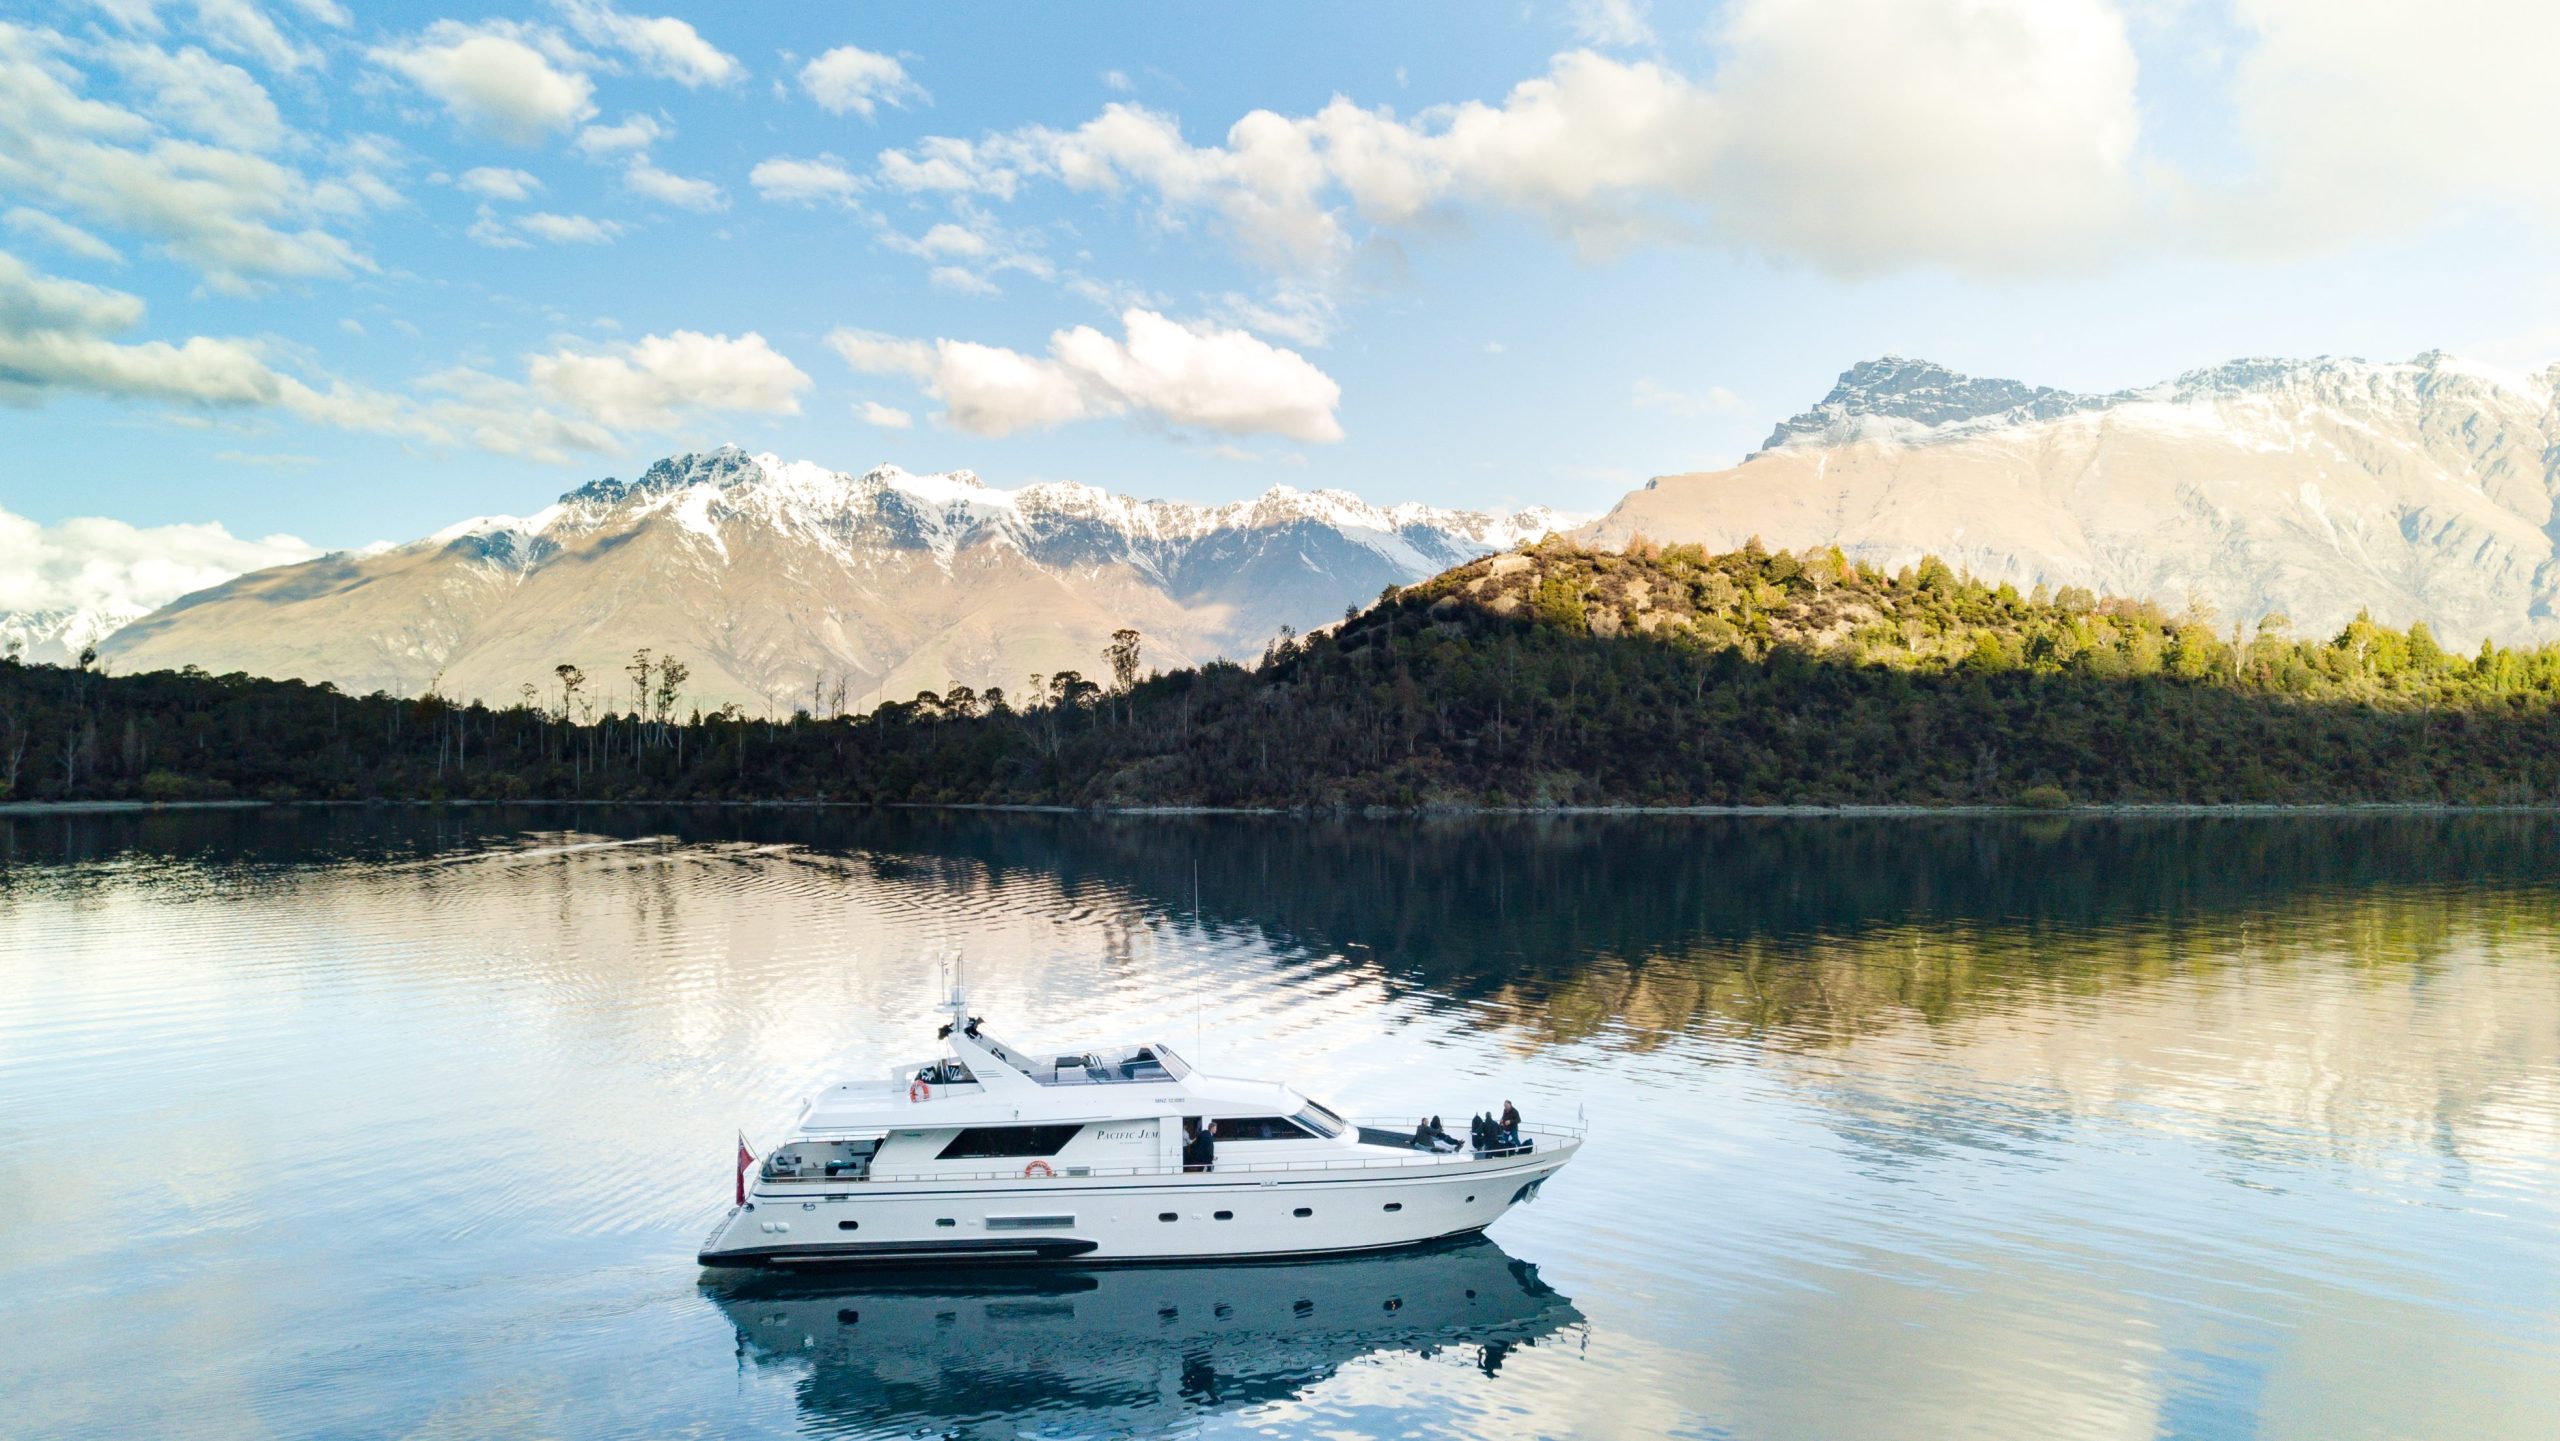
{"x": 2130, "y": 810}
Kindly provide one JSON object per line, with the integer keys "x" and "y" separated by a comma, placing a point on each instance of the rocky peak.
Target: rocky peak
{"x": 1893, "y": 397}
{"x": 723, "y": 467}
{"x": 1917, "y": 401}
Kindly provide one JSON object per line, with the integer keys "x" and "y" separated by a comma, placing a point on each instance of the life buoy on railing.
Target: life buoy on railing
{"x": 1038, "y": 1168}
{"x": 919, "y": 1091}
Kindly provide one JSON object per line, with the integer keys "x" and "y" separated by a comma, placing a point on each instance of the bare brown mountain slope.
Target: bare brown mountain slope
{"x": 780, "y": 584}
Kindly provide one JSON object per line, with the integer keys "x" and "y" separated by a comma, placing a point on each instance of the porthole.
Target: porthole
{"x": 1395, "y": 1303}
{"x": 1225, "y": 1215}
{"x": 1305, "y": 1308}
{"x": 1395, "y": 1205}
{"x": 1222, "y": 1311}
{"x": 1168, "y": 1216}
{"x": 848, "y": 1225}
{"x": 1302, "y": 1211}
{"x": 946, "y": 1221}
{"x": 847, "y": 1317}
{"x": 1471, "y": 1199}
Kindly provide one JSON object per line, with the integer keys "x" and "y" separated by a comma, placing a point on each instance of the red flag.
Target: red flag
{"x": 746, "y": 1158}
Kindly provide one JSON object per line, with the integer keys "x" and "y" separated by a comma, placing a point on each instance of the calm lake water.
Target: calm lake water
{"x": 324, "y": 1123}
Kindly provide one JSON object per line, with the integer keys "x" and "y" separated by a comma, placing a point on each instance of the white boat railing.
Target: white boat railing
{"x": 1540, "y": 1138}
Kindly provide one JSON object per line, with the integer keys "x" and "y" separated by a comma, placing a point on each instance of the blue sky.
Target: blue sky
{"x": 353, "y": 273}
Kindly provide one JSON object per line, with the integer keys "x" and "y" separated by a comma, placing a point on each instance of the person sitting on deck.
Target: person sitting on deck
{"x": 1421, "y": 1136}
{"x": 1440, "y": 1137}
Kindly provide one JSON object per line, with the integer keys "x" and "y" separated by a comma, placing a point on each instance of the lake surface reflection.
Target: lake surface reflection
{"x": 342, "y": 1122}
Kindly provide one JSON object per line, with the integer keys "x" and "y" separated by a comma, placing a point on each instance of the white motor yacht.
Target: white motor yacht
{"x": 992, "y": 1153}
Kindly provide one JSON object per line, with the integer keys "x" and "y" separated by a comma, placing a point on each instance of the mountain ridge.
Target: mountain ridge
{"x": 780, "y": 582}
{"x": 2422, "y": 489}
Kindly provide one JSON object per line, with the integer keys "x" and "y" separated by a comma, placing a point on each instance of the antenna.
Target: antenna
{"x": 955, "y": 995}
{"x": 1199, "y": 1027}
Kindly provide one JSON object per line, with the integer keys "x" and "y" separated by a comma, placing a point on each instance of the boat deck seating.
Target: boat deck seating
{"x": 1404, "y": 1141}
{"x": 1090, "y": 1069}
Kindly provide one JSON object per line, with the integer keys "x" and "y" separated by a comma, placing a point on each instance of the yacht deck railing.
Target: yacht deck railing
{"x": 1534, "y": 1138}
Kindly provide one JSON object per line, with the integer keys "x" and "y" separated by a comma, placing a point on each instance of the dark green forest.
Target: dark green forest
{"x": 1543, "y": 677}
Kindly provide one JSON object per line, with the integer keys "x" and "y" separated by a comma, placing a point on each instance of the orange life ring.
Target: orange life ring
{"x": 919, "y": 1091}
{"x": 1038, "y": 1168}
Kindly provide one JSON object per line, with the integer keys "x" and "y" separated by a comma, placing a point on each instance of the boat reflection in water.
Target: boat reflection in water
{"x": 1139, "y": 1350}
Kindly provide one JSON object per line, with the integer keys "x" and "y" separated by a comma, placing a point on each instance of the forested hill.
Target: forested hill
{"x": 1547, "y": 676}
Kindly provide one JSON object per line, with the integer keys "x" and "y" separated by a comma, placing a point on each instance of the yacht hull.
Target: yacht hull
{"x": 1179, "y": 1216}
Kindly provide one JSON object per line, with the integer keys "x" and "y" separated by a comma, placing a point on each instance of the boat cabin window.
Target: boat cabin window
{"x": 946, "y": 1072}
{"x": 1260, "y": 1128}
{"x": 1317, "y": 1118}
{"x": 980, "y": 1142}
{"x": 809, "y": 1160}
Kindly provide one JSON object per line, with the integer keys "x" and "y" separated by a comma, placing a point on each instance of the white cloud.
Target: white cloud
{"x": 1714, "y": 400}
{"x": 1855, "y": 135}
{"x": 54, "y": 340}
{"x": 511, "y": 82}
{"x": 239, "y": 217}
{"x": 121, "y": 571}
{"x": 967, "y": 256}
{"x": 241, "y": 27}
{"x": 802, "y": 181}
{"x": 62, "y": 235}
{"x": 949, "y": 239}
{"x": 495, "y": 233}
{"x": 1292, "y": 313}
{"x": 1117, "y": 80}
{"x": 1985, "y": 136}
{"x": 887, "y": 417}
{"x": 849, "y": 78}
{"x": 646, "y": 384}
{"x": 498, "y": 183}
{"x": 2369, "y": 119}
{"x": 327, "y": 12}
{"x": 568, "y": 229}
{"x": 960, "y": 280}
{"x": 571, "y": 401}
{"x": 1189, "y": 376}
{"x": 636, "y": 132}
{"x": 663, "y": 45}
{"x": 941, "y": 163}
{"x": 201, "y": 95}
{"x": 682, "y": 191}
{"x": 1612, "y": 22}
{"x": 139, "y": 16}
{"x": 31, "y": 302}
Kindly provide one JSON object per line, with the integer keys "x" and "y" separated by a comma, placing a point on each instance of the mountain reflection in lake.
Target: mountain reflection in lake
{"x": 327, "y": 1122}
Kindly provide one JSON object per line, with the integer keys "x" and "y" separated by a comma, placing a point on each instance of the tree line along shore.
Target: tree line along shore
{"x": 1548, "y": 676}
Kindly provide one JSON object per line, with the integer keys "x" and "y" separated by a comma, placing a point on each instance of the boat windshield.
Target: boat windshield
{"x": 1091, "y": 1068}
{"x": 1321, "y": 1120}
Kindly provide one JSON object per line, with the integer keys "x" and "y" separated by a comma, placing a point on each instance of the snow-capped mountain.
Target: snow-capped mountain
{"x": 2422, "y": 490}
{"x": 57, "y": 636}
{"x": 778, "y": 582}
